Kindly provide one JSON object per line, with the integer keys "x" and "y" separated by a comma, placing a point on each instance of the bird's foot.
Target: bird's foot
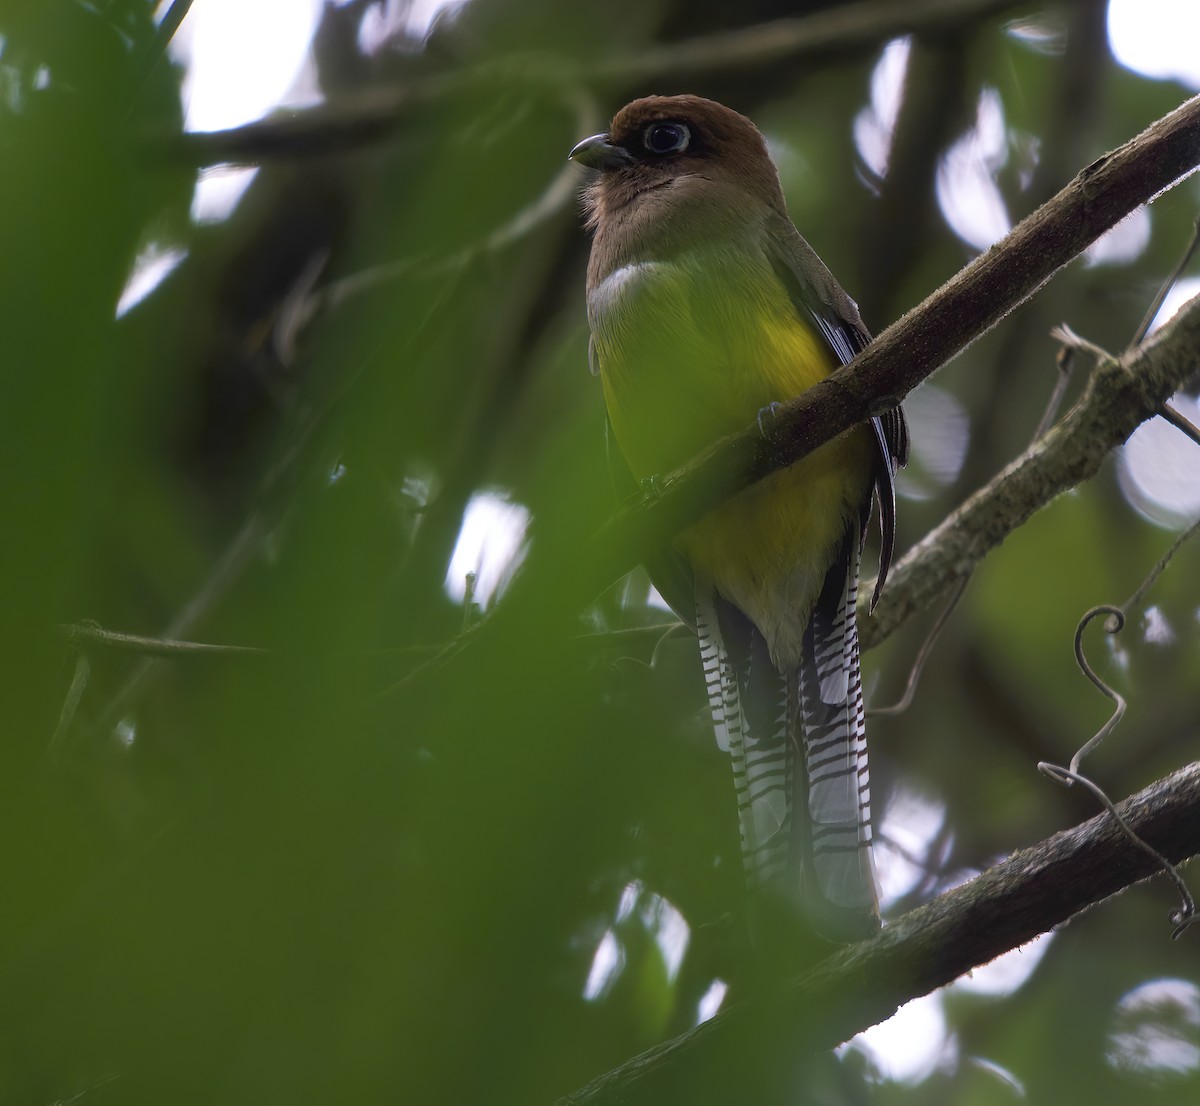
{"x": 651, "y": 487}
{"x": 768, "y": 419}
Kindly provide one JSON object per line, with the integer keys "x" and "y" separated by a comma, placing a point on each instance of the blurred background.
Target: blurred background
{"x": 292, "y": 404}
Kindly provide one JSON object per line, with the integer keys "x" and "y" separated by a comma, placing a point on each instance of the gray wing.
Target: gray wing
{"x": 818, "y": 296}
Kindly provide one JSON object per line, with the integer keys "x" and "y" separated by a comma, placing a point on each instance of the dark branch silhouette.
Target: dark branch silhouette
{"x": 1011, "y": 903}
{"x": 845, "y": 27}
{"x": 375, "y": 115}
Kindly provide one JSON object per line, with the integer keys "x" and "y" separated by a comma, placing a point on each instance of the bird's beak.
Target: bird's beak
{"x": 598, "y": 152}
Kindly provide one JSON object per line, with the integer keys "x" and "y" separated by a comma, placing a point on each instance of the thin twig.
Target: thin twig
{"x": 902, "y": 704}
{"x": 92, "y": 633}
{"x": 1064, "y": 361}
{"x": 1143, "y": 328}
{"x": 227, "y": 570}
{"x": 70, "y": 707}
{"x": 1181, "y": 422}
{"x": 1168, "y": 412}
{"x": 1077, "y": 343}
{"x": 175, "y": 15}
{"x": 666, "y": 635}
{"x": 104, "y": 1079}
{"x": 655, "y": 631}
{"x": 1160, "y": 565}
{"x": 920, "y": 861}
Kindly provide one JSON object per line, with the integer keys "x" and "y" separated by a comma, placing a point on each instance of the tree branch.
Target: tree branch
{"x": 1011, "y": 903}
{"x": 373, "y": 115}
{"x": 88, "y": 634}
{"x": 845, "y": 27}
{"x": 1121, "y": 395}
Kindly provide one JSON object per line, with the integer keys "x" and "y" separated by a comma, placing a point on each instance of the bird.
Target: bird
{"x": 706, "y": 309}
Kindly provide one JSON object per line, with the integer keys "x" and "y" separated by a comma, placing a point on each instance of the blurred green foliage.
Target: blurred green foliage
{"x": 339, "y": 873}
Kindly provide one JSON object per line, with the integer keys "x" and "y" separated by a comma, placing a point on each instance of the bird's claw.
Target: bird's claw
{"x": 768, "y": 417}
{"x": 651, "y": 487}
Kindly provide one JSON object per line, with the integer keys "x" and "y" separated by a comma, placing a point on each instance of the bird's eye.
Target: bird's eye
{"x": 666, "y": 138}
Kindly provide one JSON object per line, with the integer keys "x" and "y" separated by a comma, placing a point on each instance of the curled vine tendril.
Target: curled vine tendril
{"x": 1115, "y": 618}
{"x": 1186, "y": 914}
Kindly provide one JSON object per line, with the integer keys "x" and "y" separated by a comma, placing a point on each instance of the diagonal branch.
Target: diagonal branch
{"x": 844, "y": 27}
{"x": 1009, "y": 904}
{"x": 374, "y": 115}
{"x": 1121, "y": 395}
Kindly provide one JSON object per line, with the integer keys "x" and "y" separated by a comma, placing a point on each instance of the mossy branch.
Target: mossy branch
{"x": 1011, "y": 903}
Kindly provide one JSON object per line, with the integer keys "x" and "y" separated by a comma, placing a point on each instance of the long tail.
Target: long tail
{"x": 834, "y": 840}
{"x": 798, "y": 746}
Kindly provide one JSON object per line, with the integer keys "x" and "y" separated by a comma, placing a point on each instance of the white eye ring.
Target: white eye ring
{"x": 666, "y": 138}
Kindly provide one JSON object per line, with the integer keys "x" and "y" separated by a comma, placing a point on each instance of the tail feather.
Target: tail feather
{"x": 836, "y": 790}
{"x": 797, "y": 745}
{"x": 748, "y": 701}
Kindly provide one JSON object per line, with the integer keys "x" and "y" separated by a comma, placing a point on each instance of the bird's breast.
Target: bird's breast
{"x": 692, "y": 348}
{"x": 689, "y": 351}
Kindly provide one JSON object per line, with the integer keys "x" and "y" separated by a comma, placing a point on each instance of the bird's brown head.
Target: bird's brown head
{"x": 693, "y": 147}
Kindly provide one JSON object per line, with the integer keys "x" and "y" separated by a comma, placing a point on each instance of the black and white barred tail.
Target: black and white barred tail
{"x": 797, "y": 742}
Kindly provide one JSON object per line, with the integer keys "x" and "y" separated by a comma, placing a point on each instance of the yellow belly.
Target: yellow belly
{"x": 768, "y": 549}
{"x": 681, "y": 373}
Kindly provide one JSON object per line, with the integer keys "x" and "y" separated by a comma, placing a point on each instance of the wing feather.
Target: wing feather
{"x": 817, "y": 296}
